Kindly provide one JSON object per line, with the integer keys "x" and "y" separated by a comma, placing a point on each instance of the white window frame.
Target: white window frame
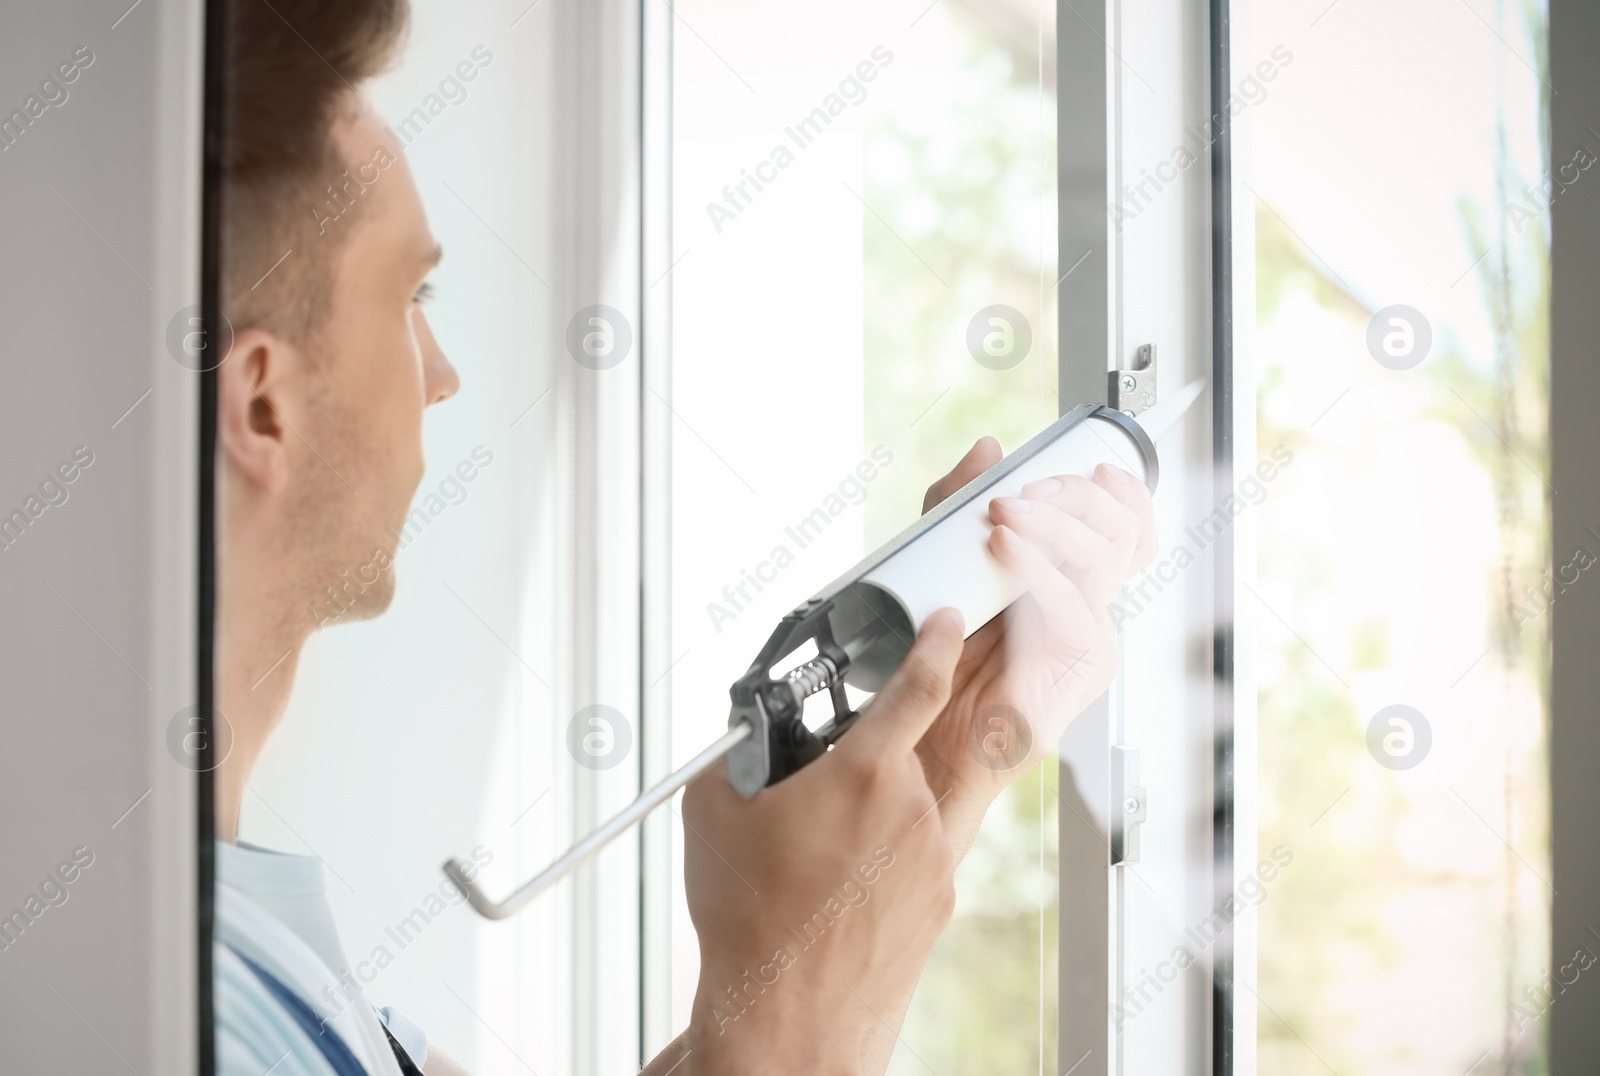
{"x": 1095, "y": 306}
{"x": 1107, "y": 306}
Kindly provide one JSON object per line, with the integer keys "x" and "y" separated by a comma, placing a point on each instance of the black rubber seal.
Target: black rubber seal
{"x": 1147, "y": 447}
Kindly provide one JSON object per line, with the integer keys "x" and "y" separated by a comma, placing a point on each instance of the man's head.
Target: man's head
{"x": 325, "y": 251}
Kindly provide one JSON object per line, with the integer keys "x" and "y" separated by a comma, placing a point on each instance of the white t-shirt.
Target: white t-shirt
{"x": 272, "y": 911}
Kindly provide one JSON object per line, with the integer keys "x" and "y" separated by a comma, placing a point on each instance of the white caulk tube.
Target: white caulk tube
{"x": 951, "y": 565}
{"x": 944, "y": 560}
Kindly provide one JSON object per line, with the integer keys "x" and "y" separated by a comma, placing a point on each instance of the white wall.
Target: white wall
{"x": 100, "y": 250}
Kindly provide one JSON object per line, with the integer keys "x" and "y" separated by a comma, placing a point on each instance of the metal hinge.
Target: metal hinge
{"x": 1133, "y": 388}
{"x": 1127, "y": 805}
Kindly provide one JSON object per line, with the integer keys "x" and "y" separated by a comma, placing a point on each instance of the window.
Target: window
{"x": 502, "y": 687}
{"x": 1403, "y": 576}
{"x": 852, "y": 191}
{"x": 841, "y": 244}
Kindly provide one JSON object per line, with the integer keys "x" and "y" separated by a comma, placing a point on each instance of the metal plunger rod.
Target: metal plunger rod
{"x": 648, "y": 801}
{"x": 809, "y": 678}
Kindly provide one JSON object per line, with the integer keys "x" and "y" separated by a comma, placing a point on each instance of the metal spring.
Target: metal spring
{"x": 812, "y": 677}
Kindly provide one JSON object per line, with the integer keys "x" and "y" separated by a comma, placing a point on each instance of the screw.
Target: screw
{"x": 1128, "y": 383}
{"x": 1131, "y": 805}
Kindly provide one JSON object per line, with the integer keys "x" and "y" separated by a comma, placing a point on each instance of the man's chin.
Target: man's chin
{"x": 354, "y": 599}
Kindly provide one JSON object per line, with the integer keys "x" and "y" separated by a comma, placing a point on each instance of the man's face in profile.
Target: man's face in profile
{"x": 369, "y": 371}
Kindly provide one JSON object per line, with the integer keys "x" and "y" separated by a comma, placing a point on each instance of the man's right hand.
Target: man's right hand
{"x": 817, "y": 901}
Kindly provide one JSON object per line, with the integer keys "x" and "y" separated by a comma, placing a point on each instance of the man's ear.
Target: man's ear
{"x": 250, "y": 386}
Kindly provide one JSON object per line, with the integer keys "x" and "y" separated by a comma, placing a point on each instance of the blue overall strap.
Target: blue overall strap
{"x": 408, "y": 1067}
{"x": 326, "y": 1040}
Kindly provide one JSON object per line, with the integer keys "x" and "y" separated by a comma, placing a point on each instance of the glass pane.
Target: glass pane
{"x": 831, "y": 266}
{"x": 441, "y": 728}
{"x": 1402, "y": 270}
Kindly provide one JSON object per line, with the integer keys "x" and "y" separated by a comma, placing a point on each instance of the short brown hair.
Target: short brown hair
{"x": 293, "y": 64}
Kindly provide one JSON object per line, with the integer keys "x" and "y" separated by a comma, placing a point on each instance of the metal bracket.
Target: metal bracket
{"x": 1132, "y": 389}
{"x": 1128, "y": 805}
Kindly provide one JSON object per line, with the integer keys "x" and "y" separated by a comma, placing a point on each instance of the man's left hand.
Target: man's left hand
{"x": 1026, "y": 674}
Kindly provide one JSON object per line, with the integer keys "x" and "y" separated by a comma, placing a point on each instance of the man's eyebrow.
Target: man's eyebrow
{"x": 433, "y": 256}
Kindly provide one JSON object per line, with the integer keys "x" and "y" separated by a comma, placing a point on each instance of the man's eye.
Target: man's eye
{"x": 424, "y": 293}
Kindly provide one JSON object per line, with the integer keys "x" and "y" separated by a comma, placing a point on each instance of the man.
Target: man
{"x": 331, "y": 367}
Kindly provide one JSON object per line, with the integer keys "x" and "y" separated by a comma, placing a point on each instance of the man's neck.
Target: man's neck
{"x": 258, "y": 652}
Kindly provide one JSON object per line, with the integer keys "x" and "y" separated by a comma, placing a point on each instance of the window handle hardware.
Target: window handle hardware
{"x": 1132, "y": 388}
{"x": 1128, "y": 805}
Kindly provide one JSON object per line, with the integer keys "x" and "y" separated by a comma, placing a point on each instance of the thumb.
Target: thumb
{"x": 898, "y": 715}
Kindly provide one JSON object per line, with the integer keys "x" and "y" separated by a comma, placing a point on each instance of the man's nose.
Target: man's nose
{"x": 439, "y": 378}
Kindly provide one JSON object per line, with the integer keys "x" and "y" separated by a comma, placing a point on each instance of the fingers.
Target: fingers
{"x": 984, "y": 454}
{"x": 1133, "y": 495}
{"x": 1065, "y": 540}
{"x": 1067, "y": 613}
{"x": 1076, "y": 635}
{"x": 898, "y": 715}
{"x": 1090, "y": 502}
